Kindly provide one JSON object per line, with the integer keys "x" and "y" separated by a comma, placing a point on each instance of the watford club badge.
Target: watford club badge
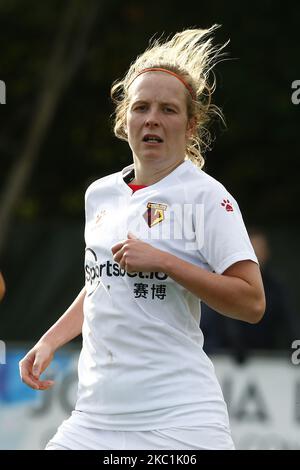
{"x": 154, "y": 213}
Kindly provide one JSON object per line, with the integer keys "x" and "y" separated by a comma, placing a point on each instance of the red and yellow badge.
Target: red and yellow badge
{"x": 154, "y": 213}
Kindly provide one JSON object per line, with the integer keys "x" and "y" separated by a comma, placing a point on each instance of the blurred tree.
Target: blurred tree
{"x": 70, "y": 46}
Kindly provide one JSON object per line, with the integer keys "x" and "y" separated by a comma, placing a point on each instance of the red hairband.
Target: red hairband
{"x": 158, "y": 69}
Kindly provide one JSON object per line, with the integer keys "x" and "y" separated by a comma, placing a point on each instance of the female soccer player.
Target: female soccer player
{"x": 161, "y": 235}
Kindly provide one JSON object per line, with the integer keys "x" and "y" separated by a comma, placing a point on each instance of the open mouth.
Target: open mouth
{"x": 152, "y": 139}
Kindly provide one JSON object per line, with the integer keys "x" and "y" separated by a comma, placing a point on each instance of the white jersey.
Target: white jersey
{"x": 142, "y": 365}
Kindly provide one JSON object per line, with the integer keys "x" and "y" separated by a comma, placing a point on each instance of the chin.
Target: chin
{"x": 151, "y": 155}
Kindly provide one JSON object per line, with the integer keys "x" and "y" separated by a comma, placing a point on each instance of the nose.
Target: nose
{"x": 152, "y": 119}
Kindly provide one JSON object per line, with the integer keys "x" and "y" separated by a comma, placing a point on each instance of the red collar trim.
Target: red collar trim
{"x": 136, "y": 187}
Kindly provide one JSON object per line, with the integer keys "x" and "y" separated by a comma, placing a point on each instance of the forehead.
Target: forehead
{"x": 158, "y": 86}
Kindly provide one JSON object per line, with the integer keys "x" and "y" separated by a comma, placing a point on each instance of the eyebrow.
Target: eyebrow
{"x": 163, "y": 103}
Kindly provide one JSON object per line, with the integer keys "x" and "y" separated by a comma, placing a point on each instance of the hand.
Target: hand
{"x": 34, "y": 364}
{"x": 134, "y": 255}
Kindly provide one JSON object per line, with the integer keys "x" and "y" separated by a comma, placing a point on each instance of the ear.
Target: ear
{"x": 191, "y": 127}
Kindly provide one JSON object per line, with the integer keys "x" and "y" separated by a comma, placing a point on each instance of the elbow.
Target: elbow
{"x": 2, "y": 287}
{"x": 2, "y": 292}
{"x": 258, "y": 311}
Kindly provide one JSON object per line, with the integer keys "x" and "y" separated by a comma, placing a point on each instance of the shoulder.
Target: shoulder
{"x": 102, "y": 183}
{"x": 200, "y": 185}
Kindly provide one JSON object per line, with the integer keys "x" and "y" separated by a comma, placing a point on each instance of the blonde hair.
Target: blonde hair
{"x": 191, "y": 55}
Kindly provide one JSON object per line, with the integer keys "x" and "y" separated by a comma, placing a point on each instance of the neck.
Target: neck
{"x": 150, "y": 173}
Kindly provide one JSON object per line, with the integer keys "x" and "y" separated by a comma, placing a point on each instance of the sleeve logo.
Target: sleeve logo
{"x": 227, "y": 205}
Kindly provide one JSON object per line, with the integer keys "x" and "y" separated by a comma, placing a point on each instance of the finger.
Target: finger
{"x": 41, "y": 384}
{"x": 25, "y": 375}
{"x": 119, "y": 259}
{"x": 117, "y": 247}
{"x": 29, "y": 381}
{"x": 37, "y": 367}
{"x": 118, "y": 256}
{"x": 45, "y": 384}
{"x": 121, "y": 253}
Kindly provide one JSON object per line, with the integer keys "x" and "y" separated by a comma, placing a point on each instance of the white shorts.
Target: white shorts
{"x": 74, "y": 436}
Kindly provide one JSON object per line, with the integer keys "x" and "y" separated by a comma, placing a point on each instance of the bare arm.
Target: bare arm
{"x": 40, "y": 356}
{"x": 2, "y": 287}
{"x": 237, "y": 293}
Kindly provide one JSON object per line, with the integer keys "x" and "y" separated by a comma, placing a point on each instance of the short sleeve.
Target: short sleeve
{"x": 224, "y": 238}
